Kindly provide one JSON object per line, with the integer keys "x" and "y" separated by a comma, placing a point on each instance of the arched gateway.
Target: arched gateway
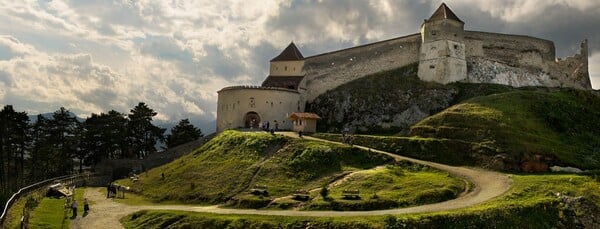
{"x": 251, "y": 120}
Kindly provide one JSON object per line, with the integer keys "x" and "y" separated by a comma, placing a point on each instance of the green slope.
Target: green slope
{"x": 232, "y": 163}
{"x": 227, "y": 168}
{"x": 503, "y": 130}
{"x": 553, "y": 127}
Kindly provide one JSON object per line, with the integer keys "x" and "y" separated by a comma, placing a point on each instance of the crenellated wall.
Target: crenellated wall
{"x": 329, "y": 70}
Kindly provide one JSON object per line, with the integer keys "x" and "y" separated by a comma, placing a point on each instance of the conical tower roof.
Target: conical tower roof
{"x": 443, "y": 12}
{"x": 289, "y": 54}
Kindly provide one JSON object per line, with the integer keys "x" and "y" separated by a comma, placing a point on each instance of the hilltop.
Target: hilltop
{"x": 228, "y": 167}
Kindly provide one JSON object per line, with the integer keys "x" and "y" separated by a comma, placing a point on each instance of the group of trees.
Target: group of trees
{"x": 58, "y": 145}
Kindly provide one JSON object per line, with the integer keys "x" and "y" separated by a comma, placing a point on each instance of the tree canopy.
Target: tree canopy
{"x": 59, "y": 144}
{"x": 184, "y": 132}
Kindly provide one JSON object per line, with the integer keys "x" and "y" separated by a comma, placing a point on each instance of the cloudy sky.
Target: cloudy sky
{"x": 94, "y": 56}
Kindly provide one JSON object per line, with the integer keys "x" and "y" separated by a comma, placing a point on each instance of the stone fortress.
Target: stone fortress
{"x": 444, "y": 51}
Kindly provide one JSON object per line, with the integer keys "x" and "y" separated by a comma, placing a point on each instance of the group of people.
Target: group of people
{"x": 74, "y": 205}
{"x": 266, "y": 126}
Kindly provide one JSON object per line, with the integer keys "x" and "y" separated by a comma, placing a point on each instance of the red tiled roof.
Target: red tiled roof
{"x": 443, "y": 12}
{"x": 305, "y": 115}
{"x": 289, "y": 53}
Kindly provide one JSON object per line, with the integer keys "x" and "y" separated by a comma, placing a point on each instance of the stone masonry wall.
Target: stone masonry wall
{"x": 522, "y": 61}
{"x": 330, "y": 70}
{"x": 513, "y": 60}
{"x": 505, "y": 47}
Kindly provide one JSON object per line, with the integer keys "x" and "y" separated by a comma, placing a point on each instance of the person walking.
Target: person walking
{"x": 74, "y": 208}
{"x": 86, "y": 205}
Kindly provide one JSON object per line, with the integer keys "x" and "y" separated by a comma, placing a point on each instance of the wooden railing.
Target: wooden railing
{"x": 68, "y": 180}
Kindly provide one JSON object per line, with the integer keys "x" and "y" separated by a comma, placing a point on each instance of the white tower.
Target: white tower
{"x": 442, "y": 55}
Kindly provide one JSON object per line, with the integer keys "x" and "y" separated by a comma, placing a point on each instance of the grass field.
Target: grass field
{"x": 50, "y": 212}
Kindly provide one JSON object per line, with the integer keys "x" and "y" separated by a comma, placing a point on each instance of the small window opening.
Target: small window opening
{"x": 431, "y": 66}
{"x": 455, "y": 46}
{"x": 285, "y": 68}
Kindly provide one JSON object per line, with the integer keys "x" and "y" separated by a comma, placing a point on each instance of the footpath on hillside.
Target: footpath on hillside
{"x": 105, "y": 213}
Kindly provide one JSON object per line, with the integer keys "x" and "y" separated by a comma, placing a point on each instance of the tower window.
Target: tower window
{"x": 455, "y": 46}
{"x": 431, "y": 66}
{"x": 285, "y": 68}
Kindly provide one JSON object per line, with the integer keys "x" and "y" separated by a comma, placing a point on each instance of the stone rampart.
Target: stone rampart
{"x": 329, "y": 70}
{"x": 522, "y": 61}
{"x": 507, "y": 48}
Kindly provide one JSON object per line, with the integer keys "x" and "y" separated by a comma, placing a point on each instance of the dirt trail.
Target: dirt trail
{"x": 105, "y": 213}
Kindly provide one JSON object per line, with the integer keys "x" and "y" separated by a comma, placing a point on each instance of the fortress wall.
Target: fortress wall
{"x": 330, "y": 70}
{"x": 513, "y": 50}
{"x": 269, "y": 103}
{"x": 522, "y": 61}
{"x": 572, "y": 71}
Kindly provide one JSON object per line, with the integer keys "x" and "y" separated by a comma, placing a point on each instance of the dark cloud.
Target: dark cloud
{"x": 6, "y": 78}
{"x": 102, "y": 97}
{"x": 225, "y": 63}
{"x": 165, "y": 48}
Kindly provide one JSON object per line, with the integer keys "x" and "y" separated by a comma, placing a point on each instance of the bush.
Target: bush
{"x": 324, "y": 192}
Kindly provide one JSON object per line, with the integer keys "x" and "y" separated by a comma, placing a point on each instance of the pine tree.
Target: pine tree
{"x": 142, "y": 134}
{"x": 182, "y": 133}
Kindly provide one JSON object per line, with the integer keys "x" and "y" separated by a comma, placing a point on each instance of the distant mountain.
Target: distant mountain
{"x": 33, "y": 118}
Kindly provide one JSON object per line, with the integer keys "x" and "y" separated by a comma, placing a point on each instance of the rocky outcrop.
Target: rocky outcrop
{"x": 387, "y": 102}
{"x": 487, "y": 71}
{"x": 579, "y": 212}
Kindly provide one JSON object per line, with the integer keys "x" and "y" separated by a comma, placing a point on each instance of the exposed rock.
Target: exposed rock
{"x": 391, "y": 102}
{"x": 488, "y": 71}
{"x": 565, "y": 169}
{"x": 580, "y": 212}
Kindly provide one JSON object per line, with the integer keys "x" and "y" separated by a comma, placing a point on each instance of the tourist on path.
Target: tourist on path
{"x": 74, "y": 208}
{"x": 86, "y": 205}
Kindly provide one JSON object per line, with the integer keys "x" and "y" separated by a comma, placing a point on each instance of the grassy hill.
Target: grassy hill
{"x": 504, "y": 130}
{"x": 553, "y": 127}
{"x": 225, "y": 169}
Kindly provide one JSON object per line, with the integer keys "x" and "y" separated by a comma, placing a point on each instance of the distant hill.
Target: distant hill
{"x": 33, "y": 118}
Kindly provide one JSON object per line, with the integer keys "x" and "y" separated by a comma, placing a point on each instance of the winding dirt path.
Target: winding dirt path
{"x": 105, "y": 213}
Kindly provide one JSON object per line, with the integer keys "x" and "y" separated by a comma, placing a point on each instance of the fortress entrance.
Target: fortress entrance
{"x": 251, "y": 120}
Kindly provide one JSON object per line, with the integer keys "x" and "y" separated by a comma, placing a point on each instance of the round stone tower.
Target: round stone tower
{"x": 442, "y": 54}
